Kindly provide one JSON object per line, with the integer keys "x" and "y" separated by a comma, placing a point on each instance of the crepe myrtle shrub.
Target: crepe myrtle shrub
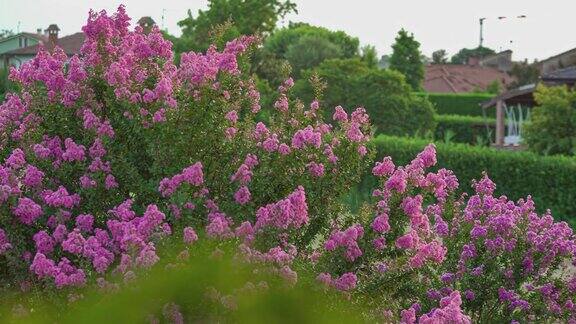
{"x": 109, "y": 151}
{"x": 421, "y": 248}
{"x": 110, "y": 155}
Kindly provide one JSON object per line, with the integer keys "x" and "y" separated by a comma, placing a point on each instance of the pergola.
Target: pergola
{"x": 520, "y": 97}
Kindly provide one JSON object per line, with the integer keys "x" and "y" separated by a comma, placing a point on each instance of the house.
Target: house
{"x": 513, "y": 107}
{"x": 557, "y": 62}
{"x": 456, "y": 78}
{"x": 501, "y": 61}
{"x": 71, "y": 45}
{"x": 20, "y": 48}
{"x": 21, "y": 40}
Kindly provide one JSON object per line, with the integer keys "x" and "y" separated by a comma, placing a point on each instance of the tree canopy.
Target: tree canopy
{"x": 247, "y": 16}
{"x": 439, "y": 57}
{"x": 464, "y": 54}
{"x": 407, "y": 59}
{"x": 552, "y": 126}
{"x": 393, "y": 107}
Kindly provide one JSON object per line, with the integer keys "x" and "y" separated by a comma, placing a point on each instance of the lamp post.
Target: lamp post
{"x": 482, "y": 31}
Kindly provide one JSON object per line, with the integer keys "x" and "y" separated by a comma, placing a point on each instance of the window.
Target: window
{"x": 25, "y": 42}
{"x": 19, "y": 41}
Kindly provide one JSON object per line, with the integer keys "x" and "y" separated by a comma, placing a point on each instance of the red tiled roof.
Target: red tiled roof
{"x": 71, "y": 45}
{"x": 454, "y": 78}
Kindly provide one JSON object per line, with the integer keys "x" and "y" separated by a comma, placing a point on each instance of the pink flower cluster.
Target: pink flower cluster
{"x": 289, "y": 212}
{"x": 346, "y": 239}
{"x": 192, "y": 175}
{"x": 450, "y": 311}
{"x": 345, "y": 282}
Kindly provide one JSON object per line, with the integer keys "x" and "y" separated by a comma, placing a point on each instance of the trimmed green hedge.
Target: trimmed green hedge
{"x": 550, "y": 180}
{"x": 467, "y": 104}
{"x": 464, "y": 129}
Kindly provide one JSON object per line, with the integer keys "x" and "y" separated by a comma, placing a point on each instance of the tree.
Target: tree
{"x": 524, "y": 73}
{"x": 406, "y": 59}
{"x": 310, "y": 51}
{"x": 464, "y": 54}
{"x": 247, "y": 16}
{"x": 439, "y": 57}
{"x": 6, "y": 33}
{"x": 552, "y": 127}
{"x": 296, "y": 44}
{"x": 494, "y": 87}
{"x": 369, "y": 55}
{"x": 279, "y": 42}
{"x": 393, "y": 108}
{"x": 384, "y": 61}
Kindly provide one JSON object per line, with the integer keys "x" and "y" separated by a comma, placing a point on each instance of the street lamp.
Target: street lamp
{"x": 481, "y": 31}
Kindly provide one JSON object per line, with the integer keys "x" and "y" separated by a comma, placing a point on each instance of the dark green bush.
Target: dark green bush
{"x": 467, "y": 104}
{"x": 464, "y": 129}
{"x": 552, "y": 126}
{"x": 550, "y": 180}
{"x": 388, "y": 99}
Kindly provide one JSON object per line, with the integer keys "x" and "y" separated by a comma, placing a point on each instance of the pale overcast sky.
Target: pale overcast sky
{"x": 550, "y": 26}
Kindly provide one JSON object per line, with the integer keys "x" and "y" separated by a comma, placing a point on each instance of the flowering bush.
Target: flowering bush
{"x": 109, "y": 151}
{"x": 110, "y": 154}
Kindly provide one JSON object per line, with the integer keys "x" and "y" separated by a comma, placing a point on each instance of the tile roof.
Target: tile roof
{"x": 566, "y": 74}
{"x": 71, "y": 45}
{"x": 455, "y": 78}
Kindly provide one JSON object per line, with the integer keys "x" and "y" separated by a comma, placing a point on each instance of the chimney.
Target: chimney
{"x": 52, "y": 32}
{"x": 473, "y": 61}
{"x": 39, "y": 31}
{"x": 146, "y": 23}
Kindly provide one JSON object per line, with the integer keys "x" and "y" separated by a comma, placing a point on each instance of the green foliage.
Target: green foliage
{"x": 200, "y": 288}
{"x": 494, "y": 87}
{"x": 279, "y": 42}
{"x": 392, "y": 107}
{"x": 524, "y": 73}
{"x": 467, "y": 104}
{"x": 248, "y": 17}
{"x": 552, "y": 128}
{"x": 5, "y": 84}
{"x": 439, "y": 57}
{"x": 464, "y": 54}
{"x": 464, "y": 129}
{"x": 370, "y": 56}
{"x": 309, "y": 51}
{"x": 338, "y": 74}
{"x": 4, "y": 33}
{"x": 518, "y": 174}
{"x": 407, "y": 59}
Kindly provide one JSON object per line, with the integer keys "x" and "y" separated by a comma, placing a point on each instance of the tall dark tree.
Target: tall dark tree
{"x": 524, "y": 73}
{"x": 466, "y": 53}
{"x": 407, "y": 59}
{"x": 439, "y": 57}
{"x": 247, "y": 17}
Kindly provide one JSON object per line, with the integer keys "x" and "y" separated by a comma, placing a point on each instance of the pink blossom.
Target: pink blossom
{"x": 189, "y": 235}
{"x": 346, "y": 282}
{"x": 242, "y": 196}
{"x": 27, "y": 210}
{"x": 340, "y": 114}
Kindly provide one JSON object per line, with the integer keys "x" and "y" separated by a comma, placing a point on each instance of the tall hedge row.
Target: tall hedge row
{"x": 465, "y": 129}
{"x": 467, "y": 104}
{"x": 550, "y": 180}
